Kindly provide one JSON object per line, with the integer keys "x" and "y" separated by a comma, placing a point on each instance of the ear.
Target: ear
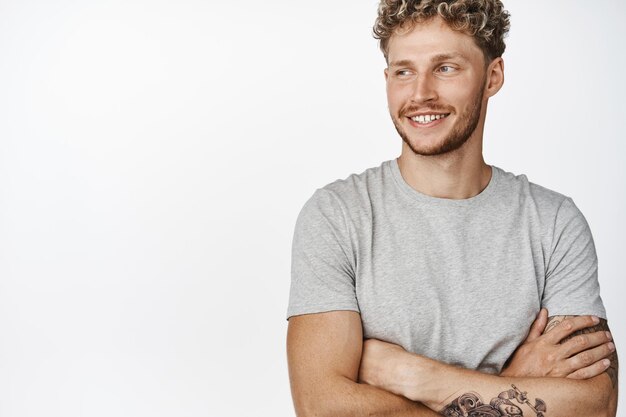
{"x": 495, "y": 77}
{"x": 386, "y": 73}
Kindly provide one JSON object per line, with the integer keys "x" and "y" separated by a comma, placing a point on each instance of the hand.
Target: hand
{"x": 581, "y": 357}
{"x": 377, "y": 363}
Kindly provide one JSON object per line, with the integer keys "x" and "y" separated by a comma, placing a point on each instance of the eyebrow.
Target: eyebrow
{"x": 434, "y": 58}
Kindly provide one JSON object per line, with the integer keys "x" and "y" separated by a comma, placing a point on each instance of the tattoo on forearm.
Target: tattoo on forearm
{"x": 471, "y": 405}
{"x": 612, "y": 370}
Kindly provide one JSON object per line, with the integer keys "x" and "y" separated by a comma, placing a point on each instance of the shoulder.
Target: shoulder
{"x": 350, "y": 194}
{"x": 520, "y": 184}
{"x": 356, "y": 185}
{"x": 555, "y": 213}
{"x": 547, "y": 203}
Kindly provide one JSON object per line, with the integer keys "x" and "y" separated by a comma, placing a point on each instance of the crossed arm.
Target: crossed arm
{"x": 326, "y": 352}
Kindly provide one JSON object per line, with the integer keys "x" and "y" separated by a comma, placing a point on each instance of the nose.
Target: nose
{"x": 424, "y": 89}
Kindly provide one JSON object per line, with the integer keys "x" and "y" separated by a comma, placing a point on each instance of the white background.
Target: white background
{"x": 154, "y": 156}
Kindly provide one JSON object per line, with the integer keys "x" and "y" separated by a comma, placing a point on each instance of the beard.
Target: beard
{"x": 461, "y": 131}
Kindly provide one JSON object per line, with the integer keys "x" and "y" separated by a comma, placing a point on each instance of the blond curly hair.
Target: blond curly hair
{"x": 485, "y": 20}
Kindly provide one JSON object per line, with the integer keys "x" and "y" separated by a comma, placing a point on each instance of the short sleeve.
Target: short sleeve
{"x": 322, "y": 263}
{"x": 571, "y": 285}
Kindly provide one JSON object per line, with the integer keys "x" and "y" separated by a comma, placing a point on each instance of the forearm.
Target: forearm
{"x": 440, "y": 387}
{"x": 324, "y": 353}
{"x": 342, "y": 397}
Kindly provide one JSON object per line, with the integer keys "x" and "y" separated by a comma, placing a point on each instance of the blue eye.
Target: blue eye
{"x": 446, "y": 69}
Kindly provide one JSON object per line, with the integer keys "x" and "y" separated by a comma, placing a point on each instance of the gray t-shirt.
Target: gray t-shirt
{"x": 458, "y": 281}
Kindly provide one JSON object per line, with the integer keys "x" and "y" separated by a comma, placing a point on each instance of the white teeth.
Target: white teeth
{"x": 423, "y": 119}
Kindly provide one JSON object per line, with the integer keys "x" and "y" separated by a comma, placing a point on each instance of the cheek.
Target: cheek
{"x": 463, "y": 102}
{"x": 397, "y": 95}
{"x": 461, "y": 92}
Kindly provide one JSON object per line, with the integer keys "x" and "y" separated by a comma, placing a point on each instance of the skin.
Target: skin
{"x": 390, "y": 367}
{"x": 433, "y": 69}
{"x": 333, "y": 372}
{"x": 324, "y": 353}
{"x": 562, "y": 346}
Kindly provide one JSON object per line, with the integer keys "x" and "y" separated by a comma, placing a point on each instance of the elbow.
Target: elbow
{"x": 606, "y": 411}
{"x": 307, "y": 404}
{"x": 315, "y": 409}
{"x": 306, "y": 407}
{"x": 328, "y": 399}
{"x": 609, "y": 402}
{"x": 610, "y": 406}
{"x": 605, "y": 394}
{"x": 317, "y": 406}
{"x": 310, "y": 412}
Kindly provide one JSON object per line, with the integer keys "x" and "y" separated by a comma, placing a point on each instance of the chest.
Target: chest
{"x": 451, "y": 288}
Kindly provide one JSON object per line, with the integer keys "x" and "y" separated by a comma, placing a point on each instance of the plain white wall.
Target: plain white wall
{"x": 154, "y": 156}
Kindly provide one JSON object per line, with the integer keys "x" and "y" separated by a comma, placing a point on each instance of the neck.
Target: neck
{"x": 458, "y": 175}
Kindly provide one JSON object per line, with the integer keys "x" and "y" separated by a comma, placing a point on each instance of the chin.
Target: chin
{"x": 422, "y": 146}
{"x": 436, "y": 147}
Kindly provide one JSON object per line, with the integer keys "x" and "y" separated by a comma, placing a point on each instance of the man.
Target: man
{"x": 440, "y": 261}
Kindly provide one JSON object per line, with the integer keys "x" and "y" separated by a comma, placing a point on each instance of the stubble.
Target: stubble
{"x": 462, "y": 131}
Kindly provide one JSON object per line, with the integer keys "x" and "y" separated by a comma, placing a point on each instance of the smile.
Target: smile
{"x": 427, "y": 118}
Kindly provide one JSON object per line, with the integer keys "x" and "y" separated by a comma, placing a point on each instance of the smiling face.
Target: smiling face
{"x": 437, "y": 87}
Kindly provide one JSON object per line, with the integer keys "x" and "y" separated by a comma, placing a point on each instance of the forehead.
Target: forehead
{"x": 430, "y": 38}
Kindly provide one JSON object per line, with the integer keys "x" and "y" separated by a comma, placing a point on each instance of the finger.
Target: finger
{"x": 589, "y": 357}
{"x": 569, "y": 326}
{"x": 538, "y": 326}
{"x": 583, "y": 342}
{"x": 591, "y": 370}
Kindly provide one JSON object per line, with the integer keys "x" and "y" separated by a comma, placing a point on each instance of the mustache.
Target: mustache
{"x": 432, "y": 107}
